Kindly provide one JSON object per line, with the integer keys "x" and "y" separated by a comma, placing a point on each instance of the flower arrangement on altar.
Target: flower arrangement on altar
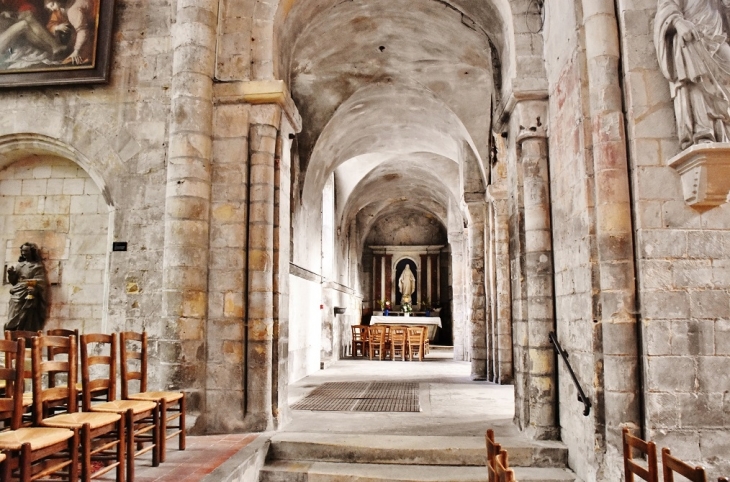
{"x": 406, "y": 308}
{"x": 384, "y": 304}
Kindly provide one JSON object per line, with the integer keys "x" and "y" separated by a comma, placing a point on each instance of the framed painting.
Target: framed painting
{"x": 52, "y": 42}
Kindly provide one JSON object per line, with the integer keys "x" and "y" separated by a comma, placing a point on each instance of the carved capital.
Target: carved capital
{"x": 260, "y": 92}
{"x": 705, "y": 173}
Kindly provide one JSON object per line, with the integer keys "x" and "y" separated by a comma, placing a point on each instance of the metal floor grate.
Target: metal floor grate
{"x": 362, "y": 397}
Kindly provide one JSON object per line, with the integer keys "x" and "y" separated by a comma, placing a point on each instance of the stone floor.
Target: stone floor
{"x": 451, "y": 404}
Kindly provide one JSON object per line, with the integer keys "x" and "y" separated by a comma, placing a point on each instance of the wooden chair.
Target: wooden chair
{"x": 376, "y": 340}
{"x": 671, "y": 464}
{"x": 415, "y": 342}
{"x": 493, "y": 450}
{"x": 631, "y": 468}
{"x": 32, "y": 453}
{"x": 142, "y": 418}
{"x": 134, "y": 356}
{"x": 723, "y": 479}
{"x": 398, "y": 342}
{"x": 102, "y": 434}
{"x": 359, "y": 340}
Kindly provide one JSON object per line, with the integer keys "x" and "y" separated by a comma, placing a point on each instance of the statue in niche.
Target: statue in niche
{"x": 407, "y": 284}
{"x": 691, "y": 40}
{"x": 27, "y": 310}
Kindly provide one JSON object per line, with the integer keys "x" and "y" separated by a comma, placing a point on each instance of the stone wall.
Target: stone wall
{"x": 117, "y": 134}
{"x": 683, "y": 270}
{"x": 54, "y": 203}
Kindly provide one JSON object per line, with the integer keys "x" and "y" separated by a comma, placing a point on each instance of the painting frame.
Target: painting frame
{"x": 97, "y": 73}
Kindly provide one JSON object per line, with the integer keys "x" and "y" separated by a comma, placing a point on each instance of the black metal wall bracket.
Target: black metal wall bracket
{"x": 581, "y": 395}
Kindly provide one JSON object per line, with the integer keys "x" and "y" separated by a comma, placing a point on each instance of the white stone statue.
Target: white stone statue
{"x": 407, "y": 284}
{"x": 691, "y": 40}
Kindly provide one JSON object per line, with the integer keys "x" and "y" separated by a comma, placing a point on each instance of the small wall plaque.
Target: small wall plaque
{"x": 119, "y": 246}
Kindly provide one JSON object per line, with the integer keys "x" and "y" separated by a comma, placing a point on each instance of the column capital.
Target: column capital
{"x": 530, "y": 120}
{"x": 258, "y": 92}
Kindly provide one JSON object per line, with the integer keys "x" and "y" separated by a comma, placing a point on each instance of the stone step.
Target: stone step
{"x": 289, "y": 471}
{"x": 411, "y": 450}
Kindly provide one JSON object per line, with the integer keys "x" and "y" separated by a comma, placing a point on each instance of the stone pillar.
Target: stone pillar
{"x": 434, "y": 293}
{"x": 541, "y": 388}
{"x": 458, "y": 286}
{"x": 263, "y": 132}
{"x": 377, "y": 277}
{"x": 500, "y": 287}
{"x": 423, "y": 279}
{"x": 477, "y": 281}
{"x": 615, "y": 345}
{"x": 389, "y": 293}
{"x": 187, "y": 203}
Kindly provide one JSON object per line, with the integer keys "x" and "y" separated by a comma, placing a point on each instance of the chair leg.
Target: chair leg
{"x": 163, "y": 429}
{"x": 156, "y": 431}
{"x": 86, "y": 452}
{"x": 121, "y": 449}
{"x": 129, "y": 422}
{"x": 181, "y": 437}
{"x": 24, "y": 463}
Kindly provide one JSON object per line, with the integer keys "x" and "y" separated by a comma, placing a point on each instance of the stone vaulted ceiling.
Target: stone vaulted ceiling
{"x": 395, "y": 97}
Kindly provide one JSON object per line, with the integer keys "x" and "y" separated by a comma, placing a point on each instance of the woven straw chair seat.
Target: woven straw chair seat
{"x": 38, "y": 437}
{"x": 121, "y": 406}
{"x": 27, "y": 399}
{"x": 166, "y": 396}
{"x": 75, "y": 420}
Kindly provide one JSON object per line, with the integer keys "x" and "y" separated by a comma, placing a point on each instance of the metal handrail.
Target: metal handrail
{"x": 581, "y": 395}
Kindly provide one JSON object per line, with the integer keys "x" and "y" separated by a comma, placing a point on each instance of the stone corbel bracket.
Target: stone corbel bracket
{"x": 260, "y": 92}
{"x": 704, "y": 170}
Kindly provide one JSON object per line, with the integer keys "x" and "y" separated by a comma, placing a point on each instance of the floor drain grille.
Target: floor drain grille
{"x": 362, "y": 397}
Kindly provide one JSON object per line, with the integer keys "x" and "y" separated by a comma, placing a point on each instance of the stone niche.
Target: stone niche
{"x": 704, "y": 170}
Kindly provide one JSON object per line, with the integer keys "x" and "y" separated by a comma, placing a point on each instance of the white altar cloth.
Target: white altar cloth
{"x": 432, "y": 322}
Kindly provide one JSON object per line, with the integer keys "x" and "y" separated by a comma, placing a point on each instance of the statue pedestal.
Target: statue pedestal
{"x": 705, "y": 173}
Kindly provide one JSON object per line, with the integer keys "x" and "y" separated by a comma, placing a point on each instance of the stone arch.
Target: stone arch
{"x": 260, "y": 57}
{"x": 53, "y": 133}
{"x": 51, "y": 194}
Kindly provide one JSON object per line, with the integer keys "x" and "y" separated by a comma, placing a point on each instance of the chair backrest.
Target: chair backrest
{"x": 376, "y": 334}
{"x": 11, "y": 402}
{"x": 59, "y": 393}
{"x": 672, "y": 464}
{"x": 28, "y": 336}
{"x": 631, "y": 468}
{"x": 104, "y": 365}
{"x": 53, "y": 351}
{"x": 398, "y": 334}
{"x": 501, "y": 468}
{"x": 493, "y": 450}
{"x": 359, "y": 332}
{"x": 723, "y": 479}
{"x": 133, "y": 363}
{"x": 415, "y": 335}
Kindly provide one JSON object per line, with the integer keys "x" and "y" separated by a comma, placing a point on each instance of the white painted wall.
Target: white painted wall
{"x": 305, "y": 321}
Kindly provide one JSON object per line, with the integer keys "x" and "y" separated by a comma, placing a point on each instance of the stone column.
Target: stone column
{"x": 263, "y": 132}
{"x": 500, "y": 287}
{"x": 388, "y": 275}
{"x": 477, "y": 280}
{"x": 187, "y": 204}
{"x": 533, "y": 159}
{"x": 615, "y": 343}
{"x": 458, "y": 286}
